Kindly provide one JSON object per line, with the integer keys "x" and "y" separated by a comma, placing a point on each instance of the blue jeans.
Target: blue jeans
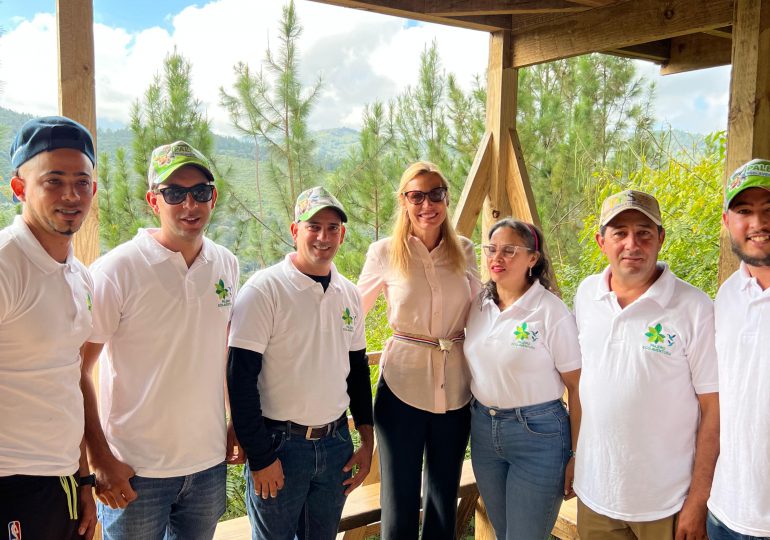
{"x": 519, "y": 456}
{"x": 310, "y": 504}
{"x": 719, "y": 531}
{"x": 175, "y": 508}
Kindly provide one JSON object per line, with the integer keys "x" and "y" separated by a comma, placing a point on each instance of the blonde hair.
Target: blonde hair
{"x": 402, "y": 228}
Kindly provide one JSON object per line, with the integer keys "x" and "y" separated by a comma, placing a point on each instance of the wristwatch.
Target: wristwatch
{"x": 89, "y": 480}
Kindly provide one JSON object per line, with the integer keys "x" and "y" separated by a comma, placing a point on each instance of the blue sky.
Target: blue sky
{"x": 361, "y": 56}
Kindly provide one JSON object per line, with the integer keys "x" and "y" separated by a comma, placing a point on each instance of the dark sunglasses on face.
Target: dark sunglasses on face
{"x": 434, "y": 195}
{"x": 175, "y": 195}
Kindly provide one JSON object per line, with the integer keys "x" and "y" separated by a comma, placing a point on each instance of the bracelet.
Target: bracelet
{"x": 88, "y": 480}
{"x": 572, "y": 453}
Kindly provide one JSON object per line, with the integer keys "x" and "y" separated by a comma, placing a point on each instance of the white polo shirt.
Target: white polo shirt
{"x": 515, "y": 356}
{"x": 162, "y": 369}
{"x": 642, "y": 368}
{"x": 740, "y": 494}
{"x": 304, "y": 336}
{"x": 45, "y": 316}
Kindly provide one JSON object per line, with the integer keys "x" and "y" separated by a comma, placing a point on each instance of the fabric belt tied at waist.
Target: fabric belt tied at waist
{"x": 442, "y": 344}
{"x": 438, "y": 367}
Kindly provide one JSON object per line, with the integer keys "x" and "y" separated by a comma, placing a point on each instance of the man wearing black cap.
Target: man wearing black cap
{"x": 45, "y": 316}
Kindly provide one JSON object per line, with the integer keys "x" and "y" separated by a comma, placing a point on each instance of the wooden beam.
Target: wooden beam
{"x": 502, "y": 84}
{"x": 725, "y": 32}
{"x": 656, "y": 51}
{"x": 453, "y": 8}
{"x": 748, "y": 122}
{"x": 594, "y": 3}
{"x": 620, "y": 25}
{"x": 518, "y": 185}
{"x": 697, "y": 51}
{"x": 475, "y": 190}
{"x": 415, "y": 9}
{"x": 77, "y": 95}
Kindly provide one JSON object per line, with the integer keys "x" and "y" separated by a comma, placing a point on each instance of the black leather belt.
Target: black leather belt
{"x": 311, "y": 433}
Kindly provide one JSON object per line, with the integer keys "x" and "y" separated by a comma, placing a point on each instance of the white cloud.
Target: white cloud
{"x": 361, "y": 56}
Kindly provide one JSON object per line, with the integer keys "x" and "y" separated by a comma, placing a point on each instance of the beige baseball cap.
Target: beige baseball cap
{"x": 630, "y": 200}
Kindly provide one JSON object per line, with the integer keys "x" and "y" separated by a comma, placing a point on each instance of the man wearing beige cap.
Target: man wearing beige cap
{"x": 649, "y": 436}
{"x": 161, "y": 311}
{"x": 740, "y": 498}
{"x": 296, "y": 363}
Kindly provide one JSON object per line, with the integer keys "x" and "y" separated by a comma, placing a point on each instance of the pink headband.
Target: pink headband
{"x": 534, "y": 235}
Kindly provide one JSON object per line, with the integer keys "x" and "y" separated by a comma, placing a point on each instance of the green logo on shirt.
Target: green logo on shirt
{"x": 659, "y": 340}
{"x": 223, "y": 293}
{"x": 348, "y": 318}
{"x": 89, "y": 303}
{"x": 525, "y": 336}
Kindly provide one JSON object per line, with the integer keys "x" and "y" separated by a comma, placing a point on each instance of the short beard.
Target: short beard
{"x": 748, "y": 259}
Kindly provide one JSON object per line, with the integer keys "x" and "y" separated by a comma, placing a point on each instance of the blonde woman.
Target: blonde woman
{"x": 428, "y": 275}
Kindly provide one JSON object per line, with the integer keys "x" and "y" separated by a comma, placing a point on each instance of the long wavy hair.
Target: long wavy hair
{"x": 402, "y": 228}
{"x": 533, "y": 239}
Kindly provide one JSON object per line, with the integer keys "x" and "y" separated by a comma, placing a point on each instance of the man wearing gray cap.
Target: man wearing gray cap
{"x": 649, "y": 435}
{"x": 740, "y": 498}
{"x": 162, "y": 306}
{"x": 297, "y": 361}
{"x": 45, "y": 316}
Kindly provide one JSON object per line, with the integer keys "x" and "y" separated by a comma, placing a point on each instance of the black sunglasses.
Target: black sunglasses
{"x": 175, "y": 194}
{"x": 417, "y": 197}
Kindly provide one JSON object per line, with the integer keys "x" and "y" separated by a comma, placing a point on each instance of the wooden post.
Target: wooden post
{"x": 77, "y": 95}
{"x": 748, "y": 126}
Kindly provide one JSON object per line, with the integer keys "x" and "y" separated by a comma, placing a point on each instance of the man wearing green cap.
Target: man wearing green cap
{"x": 297, "y": 361}
{"x": 45, "y": 316}
{"x": 161, "y": 311}
{"x": 739, "y": 507}
{"x": 649, "y": 431}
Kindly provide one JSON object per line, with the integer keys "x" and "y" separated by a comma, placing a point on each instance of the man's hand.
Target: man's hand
{"x": 569, "y": 477}
{"x": 87, "y": 511}
{"x": 361, "y": 458}
{"x": 235, "y": 454}
{"x": 692, "y": 521}
{"x": 268, "y": 481}
{"x": 112, "y": 485}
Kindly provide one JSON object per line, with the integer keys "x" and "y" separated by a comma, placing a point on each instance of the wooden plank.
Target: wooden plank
{"x": 77, "y": 95}
{"x": 566, "y": 524}
{"x": 748, "y": 123}
{"x": 453, "y": 8}
{"x": 697, "y": 51}
{"x": 655, "y": 51}
{"x": 617, "y": 26}
{"x": 483, "y": 527}
{"x": 415, "y": 9}
{"x": 725, "y": 32}
{"x": 465, "y": 510}
{"x": 475, "y": 189}
{"x": 518, "y": 186}
{"x": 233, "y": 529}
{"x": 502, "y": 81}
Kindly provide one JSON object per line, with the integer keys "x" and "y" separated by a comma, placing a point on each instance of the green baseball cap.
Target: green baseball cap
{"x": 313, "y": 200}
{"x": 755, "y": 173}
{"x": 168, "y": 158}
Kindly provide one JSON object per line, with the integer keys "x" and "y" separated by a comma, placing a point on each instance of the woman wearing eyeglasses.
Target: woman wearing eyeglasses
{"x": 522, "y": 349}
{"x": 428, "y": 275}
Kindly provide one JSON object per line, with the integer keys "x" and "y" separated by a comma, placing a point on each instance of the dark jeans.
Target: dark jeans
{"x": 405, "y": 436}
{"x": 719, "y": 531}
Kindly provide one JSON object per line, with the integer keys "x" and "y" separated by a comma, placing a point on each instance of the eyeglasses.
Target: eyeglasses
{"x": 417, "y": 197}
{"x": 175, "y": 195}
{"x": 506, "y": 252}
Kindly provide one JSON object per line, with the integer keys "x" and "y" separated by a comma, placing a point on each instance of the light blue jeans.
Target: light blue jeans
{"x": 519, "y": 456}
{"x": 176, "y": 508}
{"x": 310, "y": 504}
{"x": 719, "y": 531}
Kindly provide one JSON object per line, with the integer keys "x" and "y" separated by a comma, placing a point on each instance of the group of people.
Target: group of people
{"x": 197, "y": 372}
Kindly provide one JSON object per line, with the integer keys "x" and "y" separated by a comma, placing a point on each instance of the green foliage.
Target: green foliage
{"x": 235, "y": 489}
{"x": 121, "y": 212}
{"x": 689, "y": 190}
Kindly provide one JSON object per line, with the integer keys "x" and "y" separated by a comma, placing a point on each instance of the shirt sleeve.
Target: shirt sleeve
{"x": 252, "y": 319}
{"x": 359, "y": 388}
{"x": 372, "y": 279}
{"x": 107, "y": 307}
{"x": 243, "y": 368}
{"x": 564, "y": 346}
{"x": 701, "y": 351}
